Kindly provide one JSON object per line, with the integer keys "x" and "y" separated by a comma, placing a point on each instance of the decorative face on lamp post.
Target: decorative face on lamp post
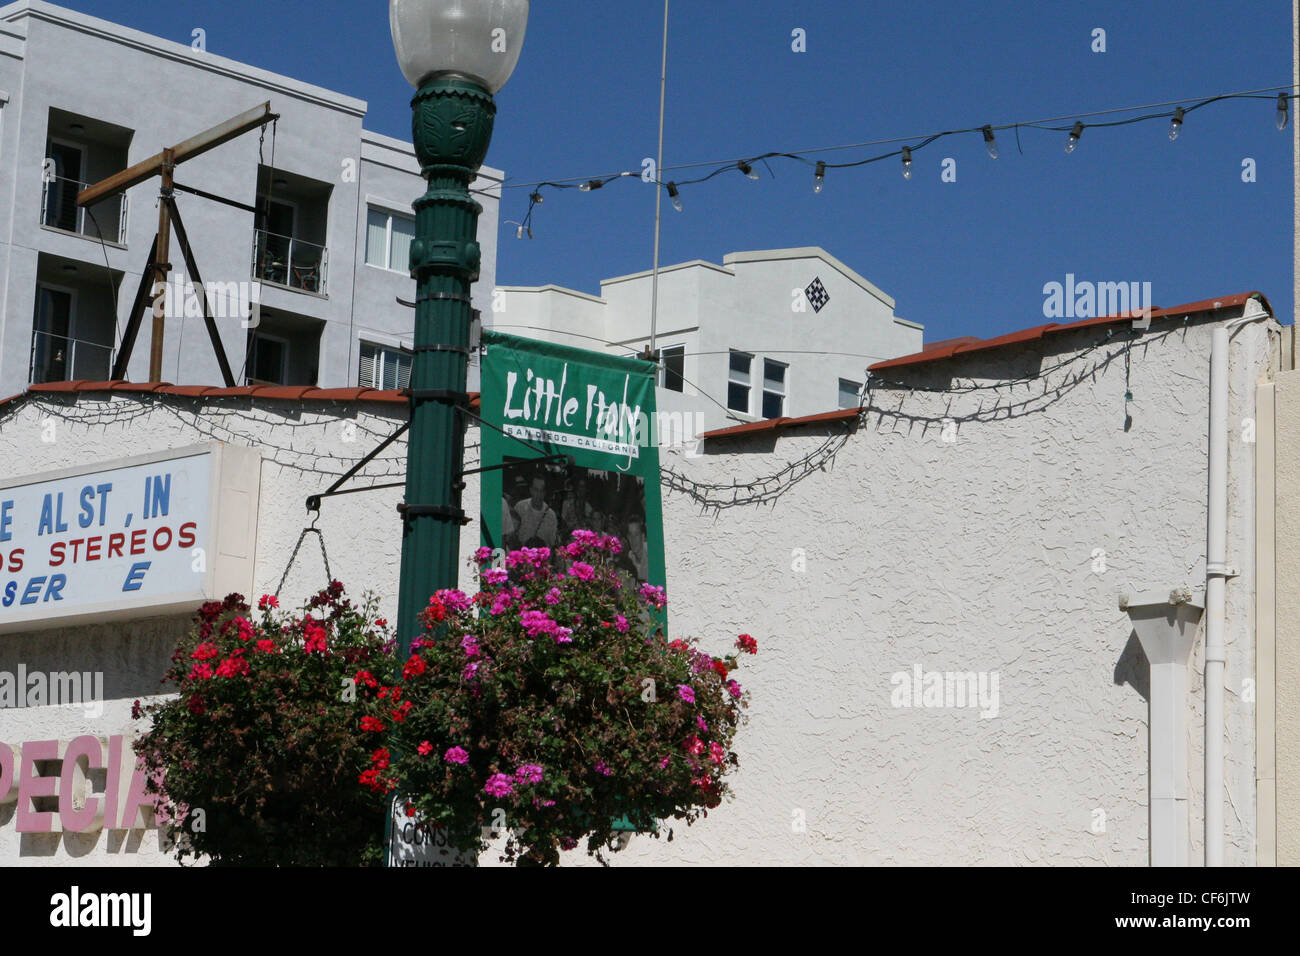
{"x": 457, "y": 54}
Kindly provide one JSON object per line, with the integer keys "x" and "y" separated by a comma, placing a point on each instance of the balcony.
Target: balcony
{"x": 106, "y": 220}
{"x": 290, "y": 262}
{"x": 59, "y": 358}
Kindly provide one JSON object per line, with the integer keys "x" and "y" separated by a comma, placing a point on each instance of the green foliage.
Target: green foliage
{"x": 263, "y": 735}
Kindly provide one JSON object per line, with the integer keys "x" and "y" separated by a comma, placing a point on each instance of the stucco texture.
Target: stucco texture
{"x": 971, "y": 555}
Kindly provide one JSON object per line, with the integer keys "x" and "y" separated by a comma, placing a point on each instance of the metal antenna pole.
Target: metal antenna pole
{"x": 659, "y": 193}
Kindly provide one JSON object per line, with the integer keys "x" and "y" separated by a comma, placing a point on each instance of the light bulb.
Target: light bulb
{"x": 990, "y": 143}
{"x": 820, "y": 182}
{"x": 907, "y": 162}
{"x": 1283, "y": 111}
{"x": 537, "y": 198}
{"x": 748, "y": 170}
{"x": 1176, "y": 124}
{"x": 590, "y": 185}
{"x": 519, "y": 233}
{"x": 1073, "y": 142}
{"x": 675, "y": 195}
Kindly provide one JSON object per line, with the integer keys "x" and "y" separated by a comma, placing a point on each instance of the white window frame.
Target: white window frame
{"x": 784, "y": 394}
{"x": 663, "y": 369}
{"x": 380, "y": 348}
{"x": 388, "y": 235}
{"x": 748, "y": 383}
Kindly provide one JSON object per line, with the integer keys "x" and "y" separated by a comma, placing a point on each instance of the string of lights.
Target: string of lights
{"x": 1175, "y": 111}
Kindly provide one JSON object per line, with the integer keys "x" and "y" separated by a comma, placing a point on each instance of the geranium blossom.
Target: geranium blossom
{"x": 205, "y": 652}
{"x": 602, "y": 768}
{"x": 529, "y": 773}
{"x": 469, "y": 645}
{"x": 372, "y": 725}
{"x": 266, "y": 645}
{"x": 267, "y": 601}
{"x": 495, "y": 576}
{"x": 733, "y": 689}
{"x": 654, "y": 595}
{"x": 414, "y": 667}
{"x": 456, "y": 755}
{"x": 581, "y": 571}
{"x": 686, "y": 693}
{"x": 499, "y": 785}
{"x": 717, "y": 752}
{"x": 425, "y": 748}
{"x": 454, "y": 600}
{"x": 483, "y": 555}
{"x": 747, "y": 644}
{"x": 553, "y": 596}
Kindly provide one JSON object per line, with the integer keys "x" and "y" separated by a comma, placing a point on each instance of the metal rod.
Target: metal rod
{"x": 334, "y": 488}
{"x": 659, "y": 193}
{"x": 215, "y": 198}
{"x": 213, "y": 333}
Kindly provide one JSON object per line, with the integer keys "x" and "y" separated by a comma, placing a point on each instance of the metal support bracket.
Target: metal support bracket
{"x": 314, "y": 501}
{"x": 1221, "y": 571}
{"x": 436, "y": 511}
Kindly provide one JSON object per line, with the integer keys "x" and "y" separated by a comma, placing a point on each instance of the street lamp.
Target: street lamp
{"x": 457, "y": 54}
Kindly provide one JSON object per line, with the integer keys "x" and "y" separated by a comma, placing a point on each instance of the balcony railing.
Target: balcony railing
{"x": 59, "y": 210}
{"x": 58, "y": 358}
{"x": 286, "y": 261}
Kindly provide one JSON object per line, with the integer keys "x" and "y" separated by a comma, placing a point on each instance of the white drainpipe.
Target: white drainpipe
{"x": 1217, "y": 573}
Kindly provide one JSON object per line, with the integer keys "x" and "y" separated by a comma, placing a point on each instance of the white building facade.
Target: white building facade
{"x": 768, "y": 334}
{"x": 945, "y": 675}
{"x": 305, "y": 289}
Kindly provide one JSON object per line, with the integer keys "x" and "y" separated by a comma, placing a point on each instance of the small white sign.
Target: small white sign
{"x": 417, "y": 844}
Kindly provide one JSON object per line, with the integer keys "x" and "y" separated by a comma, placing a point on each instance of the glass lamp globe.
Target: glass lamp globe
{"x": 477, "y": 39}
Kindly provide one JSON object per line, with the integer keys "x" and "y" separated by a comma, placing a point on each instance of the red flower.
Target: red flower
{"x": 425, "y": 748}
{"x": 233, "y": 666}
{"x": 720, "y": 668}
{"x": 410, "y": 810}
{"x": 268, "y": 600}
{"x": 366, "y": 679}
{"x": 399, "y": 715}
{"x": 414, "y": 667}
{"x": 380, "y": 622}
{"x": 372, "y": 725}
{"x": 380, "y": 758}
{"x": 266, "y": 645}
{"x": 205, "y": 652}
{"x": 747, "y": 644}
{"x": 197, "y": 707}
{"x": 314, "y": 638}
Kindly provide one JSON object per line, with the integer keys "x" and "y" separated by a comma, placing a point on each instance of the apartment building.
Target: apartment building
{"x": 304, "y": 272}
{"x": 769, "y": 334}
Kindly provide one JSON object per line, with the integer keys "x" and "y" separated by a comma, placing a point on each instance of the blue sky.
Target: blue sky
{"x": 969, "y": 257}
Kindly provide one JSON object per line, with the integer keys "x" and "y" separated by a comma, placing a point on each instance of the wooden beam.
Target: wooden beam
{"x": 188, "y": 149}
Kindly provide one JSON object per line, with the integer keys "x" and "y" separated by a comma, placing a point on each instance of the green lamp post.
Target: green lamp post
{"x": 457, "y": 54}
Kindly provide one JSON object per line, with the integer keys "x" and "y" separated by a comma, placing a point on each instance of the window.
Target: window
{"x": 672, "y": 368}
{"x": 388, "y": 240}
{"x": 850, "y": 393}
{"x": 773, "y": 388}
{"x": 268, "y": 360}
{"x": 384, "y": 368}
{"x": 738, "y": 382}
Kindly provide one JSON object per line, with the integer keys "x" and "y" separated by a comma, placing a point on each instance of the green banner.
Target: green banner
{"x": 596, "y": 409}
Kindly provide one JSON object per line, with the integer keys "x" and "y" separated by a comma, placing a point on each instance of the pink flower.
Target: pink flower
{"x": 425, "y": 748}
{"x": 694, "y": 746}
{"x": 499, "y": 785}
{"x": 563, "y": 635}
{"x": 469, "y": 645}
{"x": 686, "y": 693}
{"x": 654, "y": 595}
{"x": 529, "y": 773}
{"x": 733, "y": 689}
{"x": 495, "y": 576}
{"x": 602, "y": 768}
{"x": 717, "y": 753}
{"x": 501, "y": 601}
{"x": 454, "y": 600}
{"x": 483, "y": 555}
{"x": 620, "y": 624}
{"x": 553, "y": 596}
{"x": 699, "y": 722}
{"x": 663, "y": 764}
{"x": 581, "y": 571}
{"x": 456, "y": 755}
{"x": 471, "y": 669}
{"x": 537, "y": 622}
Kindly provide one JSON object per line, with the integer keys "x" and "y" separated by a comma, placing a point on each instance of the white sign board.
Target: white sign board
{"x": 417, "y": 844}
{"x": 150, "y": 535}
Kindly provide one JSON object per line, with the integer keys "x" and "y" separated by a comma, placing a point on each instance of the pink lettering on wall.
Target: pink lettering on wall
{"x": 81, "y": 809}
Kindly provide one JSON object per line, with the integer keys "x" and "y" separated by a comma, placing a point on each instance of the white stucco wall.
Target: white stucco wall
{"x": 971, "y": 555}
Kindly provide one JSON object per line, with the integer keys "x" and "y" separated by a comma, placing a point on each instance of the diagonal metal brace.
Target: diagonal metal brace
{"x": 314, "y": 501}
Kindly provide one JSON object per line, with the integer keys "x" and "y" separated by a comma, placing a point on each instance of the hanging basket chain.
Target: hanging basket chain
{"x": 329, "y": 577}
